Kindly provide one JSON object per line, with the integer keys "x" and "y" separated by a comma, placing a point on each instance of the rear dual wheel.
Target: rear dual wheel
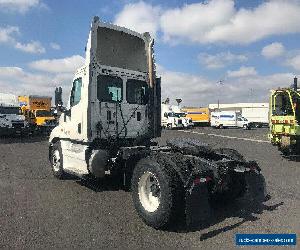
{"x": 157, "y": 193}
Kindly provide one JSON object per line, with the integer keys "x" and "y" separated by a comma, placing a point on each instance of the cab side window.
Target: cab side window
{"x": 76, "y": 92}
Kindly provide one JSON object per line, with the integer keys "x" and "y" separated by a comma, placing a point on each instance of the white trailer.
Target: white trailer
{"x": 259, "y": 116}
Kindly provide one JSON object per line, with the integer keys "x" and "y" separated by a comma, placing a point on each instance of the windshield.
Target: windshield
{"x": 172, "y": 114}
{"x": 296, "y": 104}
{"x": 10, "y": 110}
{"x": 136, "y": 92}
{"x": 43, "y": 113}
{"x": 283, "y": 105}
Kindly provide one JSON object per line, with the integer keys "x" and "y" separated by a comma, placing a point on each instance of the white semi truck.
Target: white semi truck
{"x": 114, "y": 113}
{"x": 11, "y": 119}
{"x": 173, "y": 117}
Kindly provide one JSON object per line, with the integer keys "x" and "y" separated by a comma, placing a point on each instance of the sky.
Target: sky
{"x": 226, "y": 50}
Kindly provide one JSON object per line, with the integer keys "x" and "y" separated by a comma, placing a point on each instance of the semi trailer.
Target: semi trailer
{"x": 114, "y": 112}
{"x": 199, "y": 116}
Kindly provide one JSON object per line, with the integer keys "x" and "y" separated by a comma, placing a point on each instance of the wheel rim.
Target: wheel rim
{"x": 149, "y": 192}
{"x": 56, "y": 161}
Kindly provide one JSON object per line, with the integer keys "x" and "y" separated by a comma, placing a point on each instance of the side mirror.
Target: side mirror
{"x": 67, "y": 112}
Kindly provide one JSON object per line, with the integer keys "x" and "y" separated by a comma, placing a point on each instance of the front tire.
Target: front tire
{"x": 56, "y": 159}
{"x": 157, "y": 194}
{"x": 170, "y": 126}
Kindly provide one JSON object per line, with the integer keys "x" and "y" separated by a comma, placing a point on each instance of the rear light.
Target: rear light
{"x": 199, "y": 180}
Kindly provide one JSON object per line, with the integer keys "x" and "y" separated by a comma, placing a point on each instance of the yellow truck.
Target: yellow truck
{"x": 36, "y": 110}
{"x": 199, "y": 116}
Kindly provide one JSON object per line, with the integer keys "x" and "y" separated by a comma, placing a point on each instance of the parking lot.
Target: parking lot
{"x": 39, "y": 211}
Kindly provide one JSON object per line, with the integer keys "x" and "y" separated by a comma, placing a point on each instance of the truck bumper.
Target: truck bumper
{"x": 198, "y": 200}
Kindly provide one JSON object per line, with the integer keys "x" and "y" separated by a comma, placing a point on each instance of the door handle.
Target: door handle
{"x": 79, "y": 128}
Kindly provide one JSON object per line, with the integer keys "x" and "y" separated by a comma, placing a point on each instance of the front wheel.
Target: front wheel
{"x": 56, "y": 160}
{"x": 157, "y": 194}
{"x": 246, "y": 127}
{"x": 170, "y": 126}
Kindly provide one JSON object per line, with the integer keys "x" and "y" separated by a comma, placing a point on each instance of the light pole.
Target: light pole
{"x": 221, "y": 82}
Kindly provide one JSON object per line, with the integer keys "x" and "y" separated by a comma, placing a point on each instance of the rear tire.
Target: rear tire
{"x": 56, "y": 159}
{"x": 157, "y": 194}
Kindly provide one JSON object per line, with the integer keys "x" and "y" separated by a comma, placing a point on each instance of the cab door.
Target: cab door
{"x": 240, "y": 122}
{"x": 72, "y": 143}
{"x": 73, "y": 120}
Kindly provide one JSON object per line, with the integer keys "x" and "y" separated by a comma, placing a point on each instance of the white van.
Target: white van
{"x": 225, "y": 119}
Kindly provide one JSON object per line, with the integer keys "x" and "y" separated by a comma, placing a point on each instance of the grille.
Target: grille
{"x": 17, "y": 125}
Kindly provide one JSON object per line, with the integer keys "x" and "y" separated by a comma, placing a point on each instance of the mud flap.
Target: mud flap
{"x": 256, "y": 187}
{"x": 198, "y": 210}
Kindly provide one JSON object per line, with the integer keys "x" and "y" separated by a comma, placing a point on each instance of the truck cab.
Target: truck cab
{"x": 176, "y": 120}
{"x": 11, "y": 119}
{"x": 43, "y": 117}
{"x": 115, "y": 96}
{"x": 284, "y": 119}
{"x": 36, "y": 110}
{"x": 173, "y": 117}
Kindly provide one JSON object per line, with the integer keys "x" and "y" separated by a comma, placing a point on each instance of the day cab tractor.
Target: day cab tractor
{"x": 114, "y": 112}
{"x": 285, "y": 119}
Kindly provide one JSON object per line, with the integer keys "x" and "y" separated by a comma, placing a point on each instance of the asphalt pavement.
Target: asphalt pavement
{"x": 39, "y": 211}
